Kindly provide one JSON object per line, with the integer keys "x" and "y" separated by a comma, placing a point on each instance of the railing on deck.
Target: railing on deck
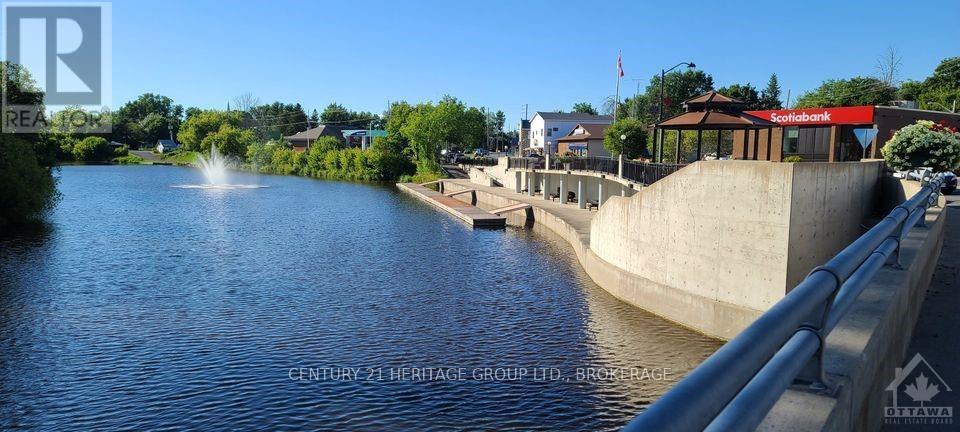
{"x": 648, "y": 173}
{"x": 735, "y": 388}
{"x": 478, "y": 161}
{"x": 639, "y": 172}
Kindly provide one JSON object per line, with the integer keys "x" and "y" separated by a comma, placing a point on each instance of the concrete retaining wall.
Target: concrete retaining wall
{"x": 868, "y": 344}
{"x": 739, "y": 233}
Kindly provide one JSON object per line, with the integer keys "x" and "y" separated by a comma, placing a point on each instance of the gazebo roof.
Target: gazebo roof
{"x": 712, "y": 97}
{"x": 713, "y": 120}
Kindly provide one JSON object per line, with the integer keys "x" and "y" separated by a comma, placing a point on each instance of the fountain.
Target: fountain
{"x": 215, "y": 168}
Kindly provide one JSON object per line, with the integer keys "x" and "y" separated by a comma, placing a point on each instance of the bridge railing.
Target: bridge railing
{"x": 735, "y": 388}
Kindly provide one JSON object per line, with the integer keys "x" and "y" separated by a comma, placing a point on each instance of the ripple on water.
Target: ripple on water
{"x": 146, "y": 306}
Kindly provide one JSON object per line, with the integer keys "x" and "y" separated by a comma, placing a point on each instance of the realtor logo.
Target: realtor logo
{"x": 915, "y": 388}
{"x": 64, "y": 49}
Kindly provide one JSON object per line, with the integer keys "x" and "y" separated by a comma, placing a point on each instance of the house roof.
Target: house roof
{"x": 592, "y": 131}
{"x": 317, "y": 132}
{"x": 562, "y": 116}
{"x": 524, "y": 124}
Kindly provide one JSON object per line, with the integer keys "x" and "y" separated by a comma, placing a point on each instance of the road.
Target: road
{"x": 146, "y": 155}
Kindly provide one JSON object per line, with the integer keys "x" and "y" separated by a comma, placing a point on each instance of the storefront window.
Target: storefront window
{"x": 791, "y": 139}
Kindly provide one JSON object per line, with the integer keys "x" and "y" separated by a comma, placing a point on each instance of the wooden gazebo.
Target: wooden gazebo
{"x": 714, "y": 111}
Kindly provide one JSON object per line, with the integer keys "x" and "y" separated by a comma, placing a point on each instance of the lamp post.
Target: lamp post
{"x": 663, "y": 74}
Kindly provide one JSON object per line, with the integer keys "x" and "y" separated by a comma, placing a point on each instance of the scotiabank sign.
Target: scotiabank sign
{"x": 818, "y": 116}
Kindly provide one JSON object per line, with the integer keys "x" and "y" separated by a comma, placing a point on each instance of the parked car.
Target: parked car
{"x": 923, "y": 174}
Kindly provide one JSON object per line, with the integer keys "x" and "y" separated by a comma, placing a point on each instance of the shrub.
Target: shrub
{"x": 793, "y": 158}
{"x": 129, "y": 160}
{"x": 923, "y": 144}
{"x": 92, "y": 148}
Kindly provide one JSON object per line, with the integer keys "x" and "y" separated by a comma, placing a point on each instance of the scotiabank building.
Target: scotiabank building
{"x": 826, "y": 134}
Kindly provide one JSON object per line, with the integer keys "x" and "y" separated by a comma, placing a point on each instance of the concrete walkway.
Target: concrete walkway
{"x": 936, "y": 335}
{"x": 578, "y": 218}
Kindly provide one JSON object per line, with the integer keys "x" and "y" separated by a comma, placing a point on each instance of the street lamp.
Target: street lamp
{"x": 663, "y": 74}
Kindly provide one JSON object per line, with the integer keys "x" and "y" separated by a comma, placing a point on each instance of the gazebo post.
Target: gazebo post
{"x": 660, "y": 157}
{"x": 746, "y": 150}
{"x": 719, "y": 139}
{"x": 699, "y": 142}
{"x": 678, "y": 147}
{"x": 756, "y": 144}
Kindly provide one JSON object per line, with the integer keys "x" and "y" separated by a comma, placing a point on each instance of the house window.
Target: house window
{"x": 549, "y": 133}
{"x": 556, "y": 129}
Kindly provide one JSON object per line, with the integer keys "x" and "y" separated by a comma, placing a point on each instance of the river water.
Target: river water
{"x": 308, "y": 304}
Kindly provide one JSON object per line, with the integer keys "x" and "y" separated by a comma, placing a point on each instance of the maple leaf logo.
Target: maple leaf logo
{"x": 921, "y": 390}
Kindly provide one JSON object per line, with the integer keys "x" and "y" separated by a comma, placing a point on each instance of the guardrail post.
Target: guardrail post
{"x": 620, "y": 165}
{"x": 813, "y": 373}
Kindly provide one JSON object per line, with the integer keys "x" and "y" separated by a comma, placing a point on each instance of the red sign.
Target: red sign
{"x": 818, "y": 116}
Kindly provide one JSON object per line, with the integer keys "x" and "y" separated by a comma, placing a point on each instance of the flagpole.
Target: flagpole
{"x": 616, "y": 101}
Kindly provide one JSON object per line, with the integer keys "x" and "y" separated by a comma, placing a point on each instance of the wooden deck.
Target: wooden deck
{"x": 473, "y": 215}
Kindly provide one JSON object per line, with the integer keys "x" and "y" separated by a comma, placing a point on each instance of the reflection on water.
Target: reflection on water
{"x": 147, "y": 307}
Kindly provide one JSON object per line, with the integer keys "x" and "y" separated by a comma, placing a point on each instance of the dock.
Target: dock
{"x": 473, "y": 215}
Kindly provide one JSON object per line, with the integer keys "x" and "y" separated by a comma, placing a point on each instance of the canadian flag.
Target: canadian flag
{"x": 619, "y": 65}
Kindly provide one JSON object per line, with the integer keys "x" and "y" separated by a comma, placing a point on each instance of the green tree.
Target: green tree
{"x": 745, "y": 92}
{"x": 770, "y": 96}
{"x": 635, "y": 143}
{"x": 584, "y": 108}
{"x": 337, "y": 114}
{"x": 941, "y": 90}
{"x": 200, "y": 125}
{"x": 277, "y": 119}
{"x": 229, "y": 140}
{"x": 850, "y": 92}
{"x": 143, "y": 121}
{"x": 92, "y": 149}
{"x": 28, "y": 191}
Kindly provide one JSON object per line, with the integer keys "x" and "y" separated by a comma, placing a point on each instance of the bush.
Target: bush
{"x": 793, "y": 158}
{"x": 129, "y": 160}
{"x": 923, "y": 144}
{"x": 92, "y": 148}
{"x": 27, "y": 189}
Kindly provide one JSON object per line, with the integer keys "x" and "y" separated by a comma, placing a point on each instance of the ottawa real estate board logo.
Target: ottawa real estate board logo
{"x": 56, "y": 56}
{"x": 915, "y": 389}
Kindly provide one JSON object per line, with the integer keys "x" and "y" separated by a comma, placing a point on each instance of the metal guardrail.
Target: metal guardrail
{"x": 648, "y": 173}
{"x": 735, "y": 388}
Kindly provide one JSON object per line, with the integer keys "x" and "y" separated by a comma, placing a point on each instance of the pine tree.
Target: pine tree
{"x": 770, "y": 96}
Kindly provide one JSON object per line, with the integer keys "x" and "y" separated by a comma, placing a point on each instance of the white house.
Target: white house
{"x": 547, "y": 127}
{"x": 166, "y": 145}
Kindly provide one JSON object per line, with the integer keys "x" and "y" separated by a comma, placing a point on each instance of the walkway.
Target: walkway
{"x": 936, "y": 335}
{"x": 578, "y": 218}
{"x": 475, "y": 216}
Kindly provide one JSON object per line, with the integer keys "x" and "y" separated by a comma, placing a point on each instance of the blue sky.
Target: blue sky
{"x": 500, "y": 54}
